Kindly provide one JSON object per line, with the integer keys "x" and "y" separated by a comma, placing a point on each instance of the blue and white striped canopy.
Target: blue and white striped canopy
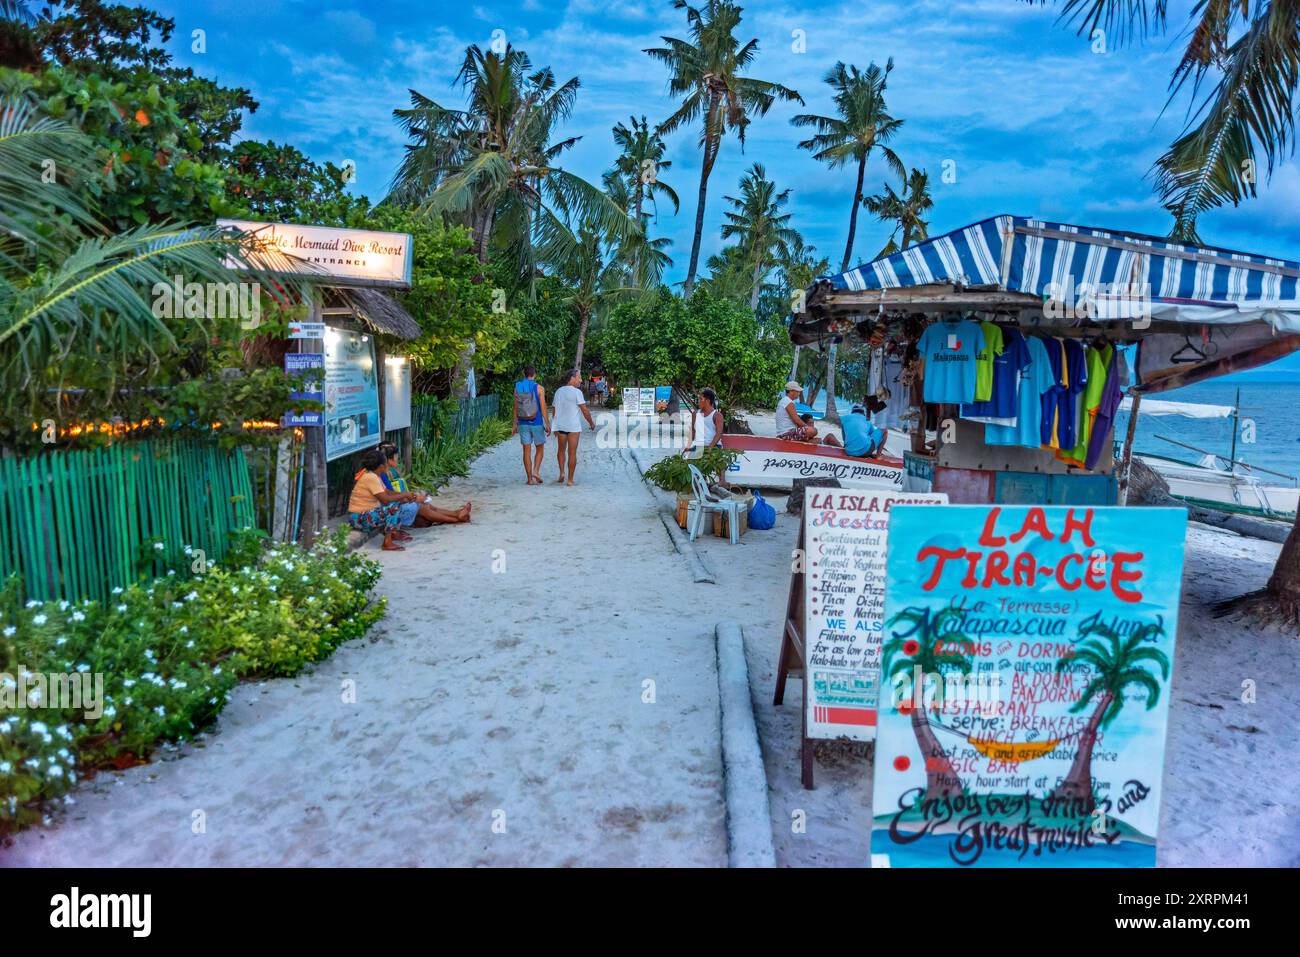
{"x": 1018, "y": 254}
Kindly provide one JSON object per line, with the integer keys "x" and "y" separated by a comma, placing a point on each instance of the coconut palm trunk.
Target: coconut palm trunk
{"x": 584, "y": 318}
{"x": 941, "y": 778}
{"x": 757, "y": 291}
{"x": 1284, "y": 584}
{"x": 853, "y": 215}
{"x": 463, "y": 376}
{"x": 712, "y": 144}
{"x": 794, "y": 364}
{"x": 1077, "y": 785}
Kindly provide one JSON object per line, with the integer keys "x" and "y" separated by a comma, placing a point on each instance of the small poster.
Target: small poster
{"x": 351, "y": 393}
{"x": 646, "y": 403}
{"x": 663, "y": 398}
{"x": 632, "y": 401}
{"x": 397, "y": 393}
{"x": 296, "y": 364}
{"x": 1028, "y": 652}
{"x": 845, "y": 534}
{"x": 306, "y": 330}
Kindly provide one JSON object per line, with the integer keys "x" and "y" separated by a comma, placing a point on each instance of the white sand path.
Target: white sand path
{"x": 512, "y": 698}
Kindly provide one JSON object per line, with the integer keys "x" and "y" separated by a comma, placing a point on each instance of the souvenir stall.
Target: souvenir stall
{"x": 1005, "y": 348}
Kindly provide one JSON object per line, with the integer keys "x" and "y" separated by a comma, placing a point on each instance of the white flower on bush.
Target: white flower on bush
{"x": 117, "y": 589}
{"x": 78, "y": 616}
{"x": 128, "y": 682}
{"x": 121, "y": 608}
{"x": 39, "y": 620}
{"x": 9, "y": 631}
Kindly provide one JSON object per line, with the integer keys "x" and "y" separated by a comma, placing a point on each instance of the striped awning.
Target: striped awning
{"x": 1056, "y": 261}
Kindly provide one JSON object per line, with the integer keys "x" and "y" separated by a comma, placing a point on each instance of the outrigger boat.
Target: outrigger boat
{"x": 1215, "y": 481}
{"x": 775, "y": 463}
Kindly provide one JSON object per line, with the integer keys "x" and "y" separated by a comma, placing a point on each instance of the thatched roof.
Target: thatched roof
{"x": 380, "y": 311}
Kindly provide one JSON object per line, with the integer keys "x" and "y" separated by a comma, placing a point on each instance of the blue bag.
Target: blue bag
{"x": 761, "y": 514}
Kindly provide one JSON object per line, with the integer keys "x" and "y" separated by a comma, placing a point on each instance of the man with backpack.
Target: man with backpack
{"x": 532, "y": 423}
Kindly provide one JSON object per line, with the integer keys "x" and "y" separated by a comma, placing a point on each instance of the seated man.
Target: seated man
{"x": 425, "y": 512}
{"x": 861, "y": 438}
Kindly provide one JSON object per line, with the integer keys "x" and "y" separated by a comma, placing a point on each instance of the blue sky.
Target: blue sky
{"x": 1035, "y": 122}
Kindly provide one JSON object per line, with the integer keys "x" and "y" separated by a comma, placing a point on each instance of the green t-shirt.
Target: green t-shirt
{"x": 1098, "y": 362}
{"x": 984, "y": 361}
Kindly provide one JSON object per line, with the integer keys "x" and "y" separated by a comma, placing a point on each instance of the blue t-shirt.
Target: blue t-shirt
{"x": 1036, "y": 378}
{"x": 949, "y": 350}
{"x": 1007, "y": 366}
{"x": 860, "y": 436}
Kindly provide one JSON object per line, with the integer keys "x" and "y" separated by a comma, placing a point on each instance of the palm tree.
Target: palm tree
{"x": 756, "y": 222}
{"x": 863, "y": 123}
{"x": 905, "y": 210}
{"x": 1246, "y": 59}
{"x": 797, "y": 268}
{"x": 1117, "y": 663}
{"x": 707, "y": 75}
{"x": 493, "y": 165}
{"x": 917, "y": 646}
{"x": 597, "y": 277}
{"x": 639, "y": 166}
{"x": 73, "y": 293}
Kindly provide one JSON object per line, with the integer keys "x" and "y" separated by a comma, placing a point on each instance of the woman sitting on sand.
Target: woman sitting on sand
{"x": 372, "y": 507}
{"x": 427, "y": 513}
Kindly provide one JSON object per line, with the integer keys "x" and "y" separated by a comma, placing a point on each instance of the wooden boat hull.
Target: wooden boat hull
{"x": 775, "y": 464}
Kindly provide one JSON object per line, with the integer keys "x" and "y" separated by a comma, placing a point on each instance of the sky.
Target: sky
{"x": 1028, "y": 117}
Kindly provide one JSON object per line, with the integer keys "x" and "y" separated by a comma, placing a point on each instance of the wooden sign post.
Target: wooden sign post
{"x": 834, "y": 615}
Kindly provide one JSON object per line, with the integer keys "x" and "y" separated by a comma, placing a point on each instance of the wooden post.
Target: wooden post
{"x": 315, "y": 492}
{"x": 792, "y": 659}
{"x": 1128, "y": 449}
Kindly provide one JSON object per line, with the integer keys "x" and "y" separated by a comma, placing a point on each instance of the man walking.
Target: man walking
{"x": 532, "y": 423}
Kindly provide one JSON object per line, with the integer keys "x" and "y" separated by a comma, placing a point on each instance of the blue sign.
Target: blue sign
{"x": 296, "y": 364}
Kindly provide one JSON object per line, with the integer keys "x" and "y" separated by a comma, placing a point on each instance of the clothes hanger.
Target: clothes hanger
{"x": 1180, "y": 356}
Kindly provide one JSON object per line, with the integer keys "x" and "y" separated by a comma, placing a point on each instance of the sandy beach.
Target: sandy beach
{"x": 571, "y": 700}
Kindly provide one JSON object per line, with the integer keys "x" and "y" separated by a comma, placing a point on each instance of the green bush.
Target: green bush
{"x": 435, "y": 463}
{"x": 170, "y": 652}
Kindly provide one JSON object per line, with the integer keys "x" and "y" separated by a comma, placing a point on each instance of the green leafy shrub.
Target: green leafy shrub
{"x": 169, "y": 653}
{"x": 673, "y": 473}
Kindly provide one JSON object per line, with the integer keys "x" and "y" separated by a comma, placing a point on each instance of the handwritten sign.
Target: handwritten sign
{"x": 845, "y": 535}
{"x": 1025, "y": 685}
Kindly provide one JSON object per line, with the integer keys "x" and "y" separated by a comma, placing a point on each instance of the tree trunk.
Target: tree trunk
{"x": 794, "y": 366}
{"x": 940, "y": 777}
{"x": 1284, "y": 584}
{"x": 832, "y": 414}
{"x": 584, "y": 317}
{"x": 711, "y": 147}
{"x": 758, "y": 287}
{"x": 1077, "y": 786}
{"x": 463, "y": 385}
{"x": 853, "y": 215}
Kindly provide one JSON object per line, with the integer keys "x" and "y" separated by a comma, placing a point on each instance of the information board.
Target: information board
{"x": 351, "y": 393}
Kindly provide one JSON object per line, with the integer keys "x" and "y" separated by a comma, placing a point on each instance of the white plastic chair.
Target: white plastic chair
{"x": 705, "y": 502}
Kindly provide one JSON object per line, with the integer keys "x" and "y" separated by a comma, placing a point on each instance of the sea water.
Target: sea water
{"x": 1270, "y": 416}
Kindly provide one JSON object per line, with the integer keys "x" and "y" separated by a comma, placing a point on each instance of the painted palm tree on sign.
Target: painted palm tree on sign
{"x": 1241, "y": 64}
{"x": 758, "y": 225}
{"x": 707, "y": 74}
{"x": 905, "y": 209}
{"x": 928, "y": 641}
{"x": 1117, "y": 663}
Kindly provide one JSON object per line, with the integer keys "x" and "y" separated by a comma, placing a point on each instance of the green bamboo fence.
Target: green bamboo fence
{"x": 75, "y": 524}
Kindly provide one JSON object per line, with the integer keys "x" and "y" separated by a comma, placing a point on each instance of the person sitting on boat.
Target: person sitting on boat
{"x": 861, "y": 438}
{"x": 787, "y": 413}
{"x": 807, "y": 432}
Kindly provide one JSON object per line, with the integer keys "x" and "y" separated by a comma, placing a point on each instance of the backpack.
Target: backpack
{"x": 761, "y": 514}
{"x": 526, "y": 407}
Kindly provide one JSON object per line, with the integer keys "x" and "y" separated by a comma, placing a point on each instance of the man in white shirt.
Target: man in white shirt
{"x": 787, "y": 414}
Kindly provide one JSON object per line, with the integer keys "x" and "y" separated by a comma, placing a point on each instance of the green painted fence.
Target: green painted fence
{"x": 75, "y": 524}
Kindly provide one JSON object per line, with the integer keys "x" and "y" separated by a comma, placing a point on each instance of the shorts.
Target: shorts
{"x": 565, "y": 432}
{"x": 532, "y": 433}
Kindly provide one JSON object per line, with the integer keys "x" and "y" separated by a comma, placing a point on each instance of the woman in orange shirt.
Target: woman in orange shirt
{"x": 373, "y": 505}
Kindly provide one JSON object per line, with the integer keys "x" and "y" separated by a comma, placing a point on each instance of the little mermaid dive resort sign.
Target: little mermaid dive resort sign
{"x": 1025, "y": 685}
{"x": 344, "y": 257}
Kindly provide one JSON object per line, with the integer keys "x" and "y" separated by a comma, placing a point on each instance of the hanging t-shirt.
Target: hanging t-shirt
{"x": 891, "y": 416}
{"x": 1098, "y": 361}
{"x": 1104, "y": 424}
{"x": 949, "y": 350}
{"x": 1059, "y": 402}
{"x": 984, "y": 361}
{"x": 1001, "y": 408}
{"x": 1036, "y": 378}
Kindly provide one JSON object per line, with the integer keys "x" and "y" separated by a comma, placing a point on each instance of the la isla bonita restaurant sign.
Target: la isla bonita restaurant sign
{"x": 348, "y": 257}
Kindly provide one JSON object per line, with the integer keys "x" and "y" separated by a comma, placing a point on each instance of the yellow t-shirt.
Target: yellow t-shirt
{"x": 363, "y": 497}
